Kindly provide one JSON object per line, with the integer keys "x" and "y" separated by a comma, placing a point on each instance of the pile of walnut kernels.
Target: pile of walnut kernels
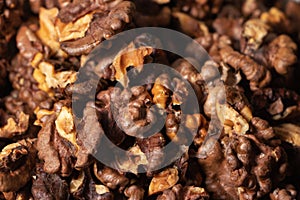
{"x": 254, "y": 43}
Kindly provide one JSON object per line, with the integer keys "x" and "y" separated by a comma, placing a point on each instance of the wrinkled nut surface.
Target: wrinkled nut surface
{"x": 73, "y": 30}
{"x": 254, "y": 45}
{"x": 163, "y": 180}
{"x": 16, "y": 163}
{"x": 47, "y": 77}
{"x": 15, "y": 127}
{"x": 255, "y": 30}
{"x": 130, "y": 56}
{"x": 231, "y": 119}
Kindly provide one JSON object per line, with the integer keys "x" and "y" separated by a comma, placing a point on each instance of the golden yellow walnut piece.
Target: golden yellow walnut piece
{"x": 14, "y": 171}
{"x": 231, "y": 119}
{"x": 15, "y": 126}
{"x": 273, "y": 17}
{"x": 130, "y": 56}
{"x": 47, "y": 32}
{"x": 191, "y": 26}
{"x": 65, "y": 125}
{"x": 101, "y": 189}
{"x": 73, "y": 30}
{"x": 77, "y": 183}
{"x": 40, "y": 114}
{"x": 47, "y": 78}
{"x": 160, "y": 94}
{"x": 288, "y": 132}
{"x": 163, "y": 180}
{"x": 255, "y": 30}
{"x": 136, "y": 158}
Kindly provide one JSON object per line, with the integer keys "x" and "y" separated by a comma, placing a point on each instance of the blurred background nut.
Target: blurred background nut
{"x": 14, "y": 127}
{"x": 134, "y": 192}
{"x": 152, "y": 13}
{"x": 288, "y": 192}
{"x": 189, "y": 25}
{"x": 16, "y": 163}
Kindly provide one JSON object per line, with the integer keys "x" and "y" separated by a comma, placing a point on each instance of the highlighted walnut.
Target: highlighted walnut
{"x": 254, "y": 30}
{"x": 231, "y": 119}
{"x": 275, "y": 18}
{"x": 163, "y": 180}
{"x": 130, "y": 56}
{"x": 47, "y": 78}
{"x": 16, "y": 126}
{"x": 65, "y": 125}
{"x": 73, "y": 30}
{"x": 47, "y": 32}
{"x": 161, "y": 92}
{"x": 16, "y": 163}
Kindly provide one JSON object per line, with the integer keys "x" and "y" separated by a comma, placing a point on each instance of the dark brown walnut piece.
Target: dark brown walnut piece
{"x": 258, "y": 75}
{"x": 229, "y": 22}
{"x": 83, "y": 186}
{"x": 56, "y": 143}
{"x": 23, "y": 80}
{"x": 16, "y": 164}
{"x": 21, "y": 71}
{"x": 110, "y": 177}
{"x": 12, "y": 14}
{"x": 149, "y": 13}
{"x": 178, "y": 192}
{"x": 152, "y": 147}
{"x": 28, "y": 43}
{"x": 89, "y": 134}
{"x": 134, "y": 113}
{"x": 106, "y": 116}
{"x": 3, "y": 76}
{"x": 77, "y": 9}
{"x": 287, "y": 192}
{"x": 48, "y": 186}
{"x": 23, "y": 194}
{"x": 134, "y": 192}
{"x": 200, "y": 9}
{"x": 191, "y": 192}
{"x": 35, "y": 5}
{"x": 276, "y": 104}
{"x": 190, "y": 73}
{"x": 104, "y": 25}
{"x": 281, "y": 54}
{"x": 241, "y": 166}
